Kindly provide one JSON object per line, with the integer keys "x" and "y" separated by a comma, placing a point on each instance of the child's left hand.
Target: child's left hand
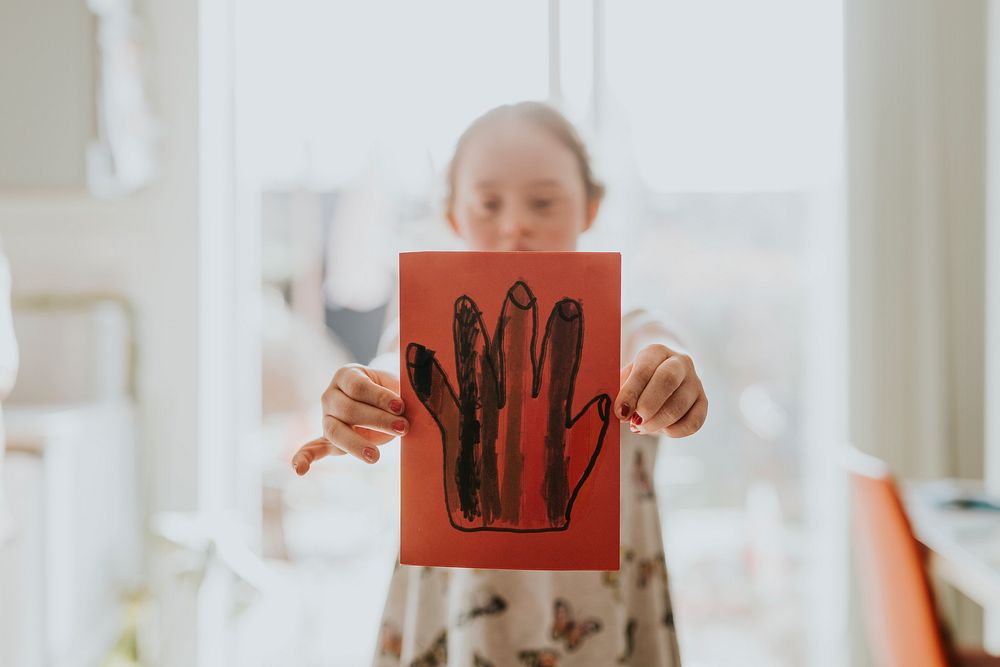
{"x": 662, "y": 393}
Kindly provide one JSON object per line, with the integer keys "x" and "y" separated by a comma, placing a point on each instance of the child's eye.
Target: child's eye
{"x": 541, "y": 204}
{"x": 491, "y": 205}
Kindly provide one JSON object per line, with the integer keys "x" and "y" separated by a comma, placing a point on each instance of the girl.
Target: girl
{"x": 521, "y": 179}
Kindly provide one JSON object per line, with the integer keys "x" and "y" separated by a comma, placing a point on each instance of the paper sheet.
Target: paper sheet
{"x": 509, "y": 369}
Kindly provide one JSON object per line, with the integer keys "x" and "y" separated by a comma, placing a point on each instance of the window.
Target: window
{"x": 717, "y": 128}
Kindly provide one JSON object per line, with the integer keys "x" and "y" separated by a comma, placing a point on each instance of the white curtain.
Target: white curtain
{"x": 8, "y": 372}
{"x": 915, "y": 91}
{"x": 916, "y": 117}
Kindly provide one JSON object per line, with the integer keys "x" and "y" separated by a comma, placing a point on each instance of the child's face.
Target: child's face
{"x": 517, "y": 187}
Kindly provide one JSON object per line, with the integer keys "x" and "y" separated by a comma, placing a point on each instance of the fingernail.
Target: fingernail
{"x": 625, "y": 410}
{"x": 396, "y": 406}
{"x": 297, "y": 467}
{"x": 569, "y": 310}
{"x": 521, "y": 295}
{"x": 370, "y": 454}
{"x": 399, "y": 426}
{"x": 636, "y": 419}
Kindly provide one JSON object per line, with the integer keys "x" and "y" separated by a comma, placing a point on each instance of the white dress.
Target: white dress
{"x": 480, "y": 618}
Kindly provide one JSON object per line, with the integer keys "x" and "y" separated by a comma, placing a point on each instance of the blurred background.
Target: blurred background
{"x": 202, "y": 202}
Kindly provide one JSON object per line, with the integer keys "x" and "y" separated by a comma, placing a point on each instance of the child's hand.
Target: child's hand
{"x": 661, "y": 392}
{"x": 361, "y": 408}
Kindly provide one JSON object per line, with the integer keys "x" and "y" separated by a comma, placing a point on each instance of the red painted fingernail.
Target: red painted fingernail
{"x": 636, "y": 419}
{"x": 370, "y": 454}
{"x": 396, "y": 406}
{"x": 399, "y": 426}
{"x": 625, "y": 410}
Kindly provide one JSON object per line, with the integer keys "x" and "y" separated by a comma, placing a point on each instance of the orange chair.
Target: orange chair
{"x": 900, "y": 613}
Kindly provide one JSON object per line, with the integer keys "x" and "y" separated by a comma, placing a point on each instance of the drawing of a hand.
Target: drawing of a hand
{"x": 515, "y": 457}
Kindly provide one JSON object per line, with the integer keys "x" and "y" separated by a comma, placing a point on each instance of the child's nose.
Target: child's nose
{"x": 515, "y": 223}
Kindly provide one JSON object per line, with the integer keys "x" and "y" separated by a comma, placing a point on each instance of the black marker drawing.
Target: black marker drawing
{"x": 501, "y": 472}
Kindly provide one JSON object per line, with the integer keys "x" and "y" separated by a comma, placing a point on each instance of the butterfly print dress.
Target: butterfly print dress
{"x": 459, "y": 617}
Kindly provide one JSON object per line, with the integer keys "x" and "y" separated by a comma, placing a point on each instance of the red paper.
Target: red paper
{"x": 509, "y": 369}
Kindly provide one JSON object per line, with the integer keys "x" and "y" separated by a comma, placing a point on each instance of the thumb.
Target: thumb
{"x": 587, "y": 432}
{"x": 431, "y": 384}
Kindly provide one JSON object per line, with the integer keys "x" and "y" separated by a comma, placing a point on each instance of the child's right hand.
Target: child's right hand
{"x": 361, "y": 408}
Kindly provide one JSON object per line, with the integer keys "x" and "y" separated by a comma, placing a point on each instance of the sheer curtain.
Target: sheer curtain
{"x": 916, "y": 118}
{"x": 8, "y": 371}
{"x": 915, "y": 89}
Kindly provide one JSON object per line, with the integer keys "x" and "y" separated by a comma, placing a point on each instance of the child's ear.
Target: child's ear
{"x": 593, "y": 206}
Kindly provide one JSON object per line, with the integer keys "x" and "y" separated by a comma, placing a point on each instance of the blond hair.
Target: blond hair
{"x": 544, "y": 116}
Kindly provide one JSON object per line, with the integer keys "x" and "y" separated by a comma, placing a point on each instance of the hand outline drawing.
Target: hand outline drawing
{"x": 486, "y": 482}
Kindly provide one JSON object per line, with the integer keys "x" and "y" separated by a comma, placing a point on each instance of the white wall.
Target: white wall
{"x": 48, "y": 106}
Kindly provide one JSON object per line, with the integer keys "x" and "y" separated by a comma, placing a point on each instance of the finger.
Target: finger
{"x": 514, "y": 342}
{"x": 561, "y": 348}
{"x": 344, "y": 437}
{"x": 623, "y": 406}
{"x": 478, "y": 397}
{"x": 692, "y": 421}
{"x": 355, "y": 382}
{"x": 624, "y": 373}
{"x": 375, "y": 437}
{"x": 431, "y": 385}
{"x": 432, "y": 388}
{"x": 643, "y": 367}
{"x": 586, "y": 440}
{"x": 674, "y": 408}
{"x": 383, "y": 378}
{"x": 477, "y": 377}
{"x": 560, "y": 362}
{"x": 666, "y": 379}
{"x": 311, "y": 452}
{"x": 356, "y": 413}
